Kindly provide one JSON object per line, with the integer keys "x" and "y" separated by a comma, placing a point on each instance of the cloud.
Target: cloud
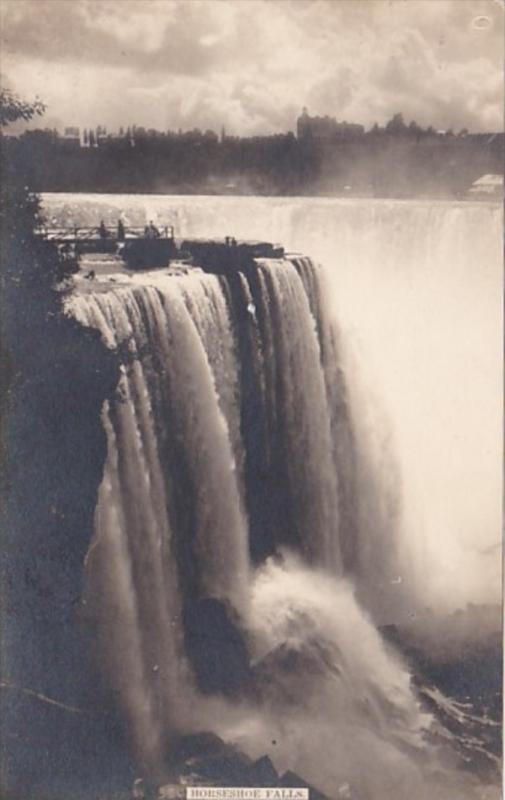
{"x": 251, "y": 65}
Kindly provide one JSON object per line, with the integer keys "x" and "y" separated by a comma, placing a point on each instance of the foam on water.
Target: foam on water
{"x": 307, "y": 412}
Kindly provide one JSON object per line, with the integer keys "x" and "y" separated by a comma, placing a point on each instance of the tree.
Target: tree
{"x": 396, "y": 124}
{"x": 54, "y": 373}
{"x": 26, "y": 261}
{"x": 13, "y": 108}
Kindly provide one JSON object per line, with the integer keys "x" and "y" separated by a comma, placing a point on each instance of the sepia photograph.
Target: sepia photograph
{"x": 251, "y": 398}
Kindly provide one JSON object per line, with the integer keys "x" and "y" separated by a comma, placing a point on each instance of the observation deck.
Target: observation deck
{"x": 150, "y": 248}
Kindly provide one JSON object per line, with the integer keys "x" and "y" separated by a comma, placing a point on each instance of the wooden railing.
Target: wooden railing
{"x": 78, "y": 234}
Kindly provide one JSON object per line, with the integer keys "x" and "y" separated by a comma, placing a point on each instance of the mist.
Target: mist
{"x": 415, "y": 289}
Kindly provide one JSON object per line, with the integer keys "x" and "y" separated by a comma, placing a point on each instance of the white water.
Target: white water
{"x": 346, "y": 714}
{"x": 338, "y": 706}
{"x": 417, "y": 288}
{"x": 172, "y": 429}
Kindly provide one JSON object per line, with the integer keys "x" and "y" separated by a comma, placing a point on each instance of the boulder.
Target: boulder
{"x": 215, "y": 647}
{"x": 263, "y": 773}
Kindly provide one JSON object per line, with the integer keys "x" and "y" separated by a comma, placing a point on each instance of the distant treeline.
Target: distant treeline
{"x": 398, "y": 160}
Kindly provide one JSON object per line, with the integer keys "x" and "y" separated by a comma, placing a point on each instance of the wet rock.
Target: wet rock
{"x": 263, "y": 773}
{"x": 230, "y": 768}
{"x": 208, "y": 760}
{"x": 215, "y": 647}
{"x": 204, "y": 759}
{"x": 198, "y": 745}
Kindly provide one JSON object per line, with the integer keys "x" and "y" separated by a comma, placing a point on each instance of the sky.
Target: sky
{"x": 251, "y": 65}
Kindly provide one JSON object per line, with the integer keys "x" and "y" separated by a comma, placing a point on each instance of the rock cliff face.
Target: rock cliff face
{"x": 203, "y": 759}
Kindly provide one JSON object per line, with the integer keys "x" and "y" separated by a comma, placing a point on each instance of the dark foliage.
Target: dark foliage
{"x": 55, "y": 377}
{"x": 397, "y": 160}
{"x": 13, "y": 108}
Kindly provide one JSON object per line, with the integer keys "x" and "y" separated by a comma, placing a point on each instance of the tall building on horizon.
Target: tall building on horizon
{"x": 325, "y": 128}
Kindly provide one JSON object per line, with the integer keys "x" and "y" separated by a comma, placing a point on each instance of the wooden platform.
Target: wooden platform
{"x": 141, "y": 250}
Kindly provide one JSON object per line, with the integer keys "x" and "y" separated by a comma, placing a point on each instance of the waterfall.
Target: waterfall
{"x": 181, "y": 479}
{"x": 416, "y": 289}
{"x": 249, "y": 489}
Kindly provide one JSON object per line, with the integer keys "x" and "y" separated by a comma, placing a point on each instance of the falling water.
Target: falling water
{"x": 235, "y": 473}
{"x": 171, "y": 520}
{"x": 416, "y": 289}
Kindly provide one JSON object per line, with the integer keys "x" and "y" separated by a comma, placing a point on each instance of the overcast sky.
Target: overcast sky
{"x": 252, "y": 64}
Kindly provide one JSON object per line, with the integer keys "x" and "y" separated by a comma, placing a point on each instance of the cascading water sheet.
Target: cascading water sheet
{"x": 233, "y": 389}
{"x": 173, "y": 489}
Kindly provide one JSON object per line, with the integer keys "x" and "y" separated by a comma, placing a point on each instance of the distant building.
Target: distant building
{"x": 303, "y": 125}
{"x": 350, "y": 129}
{"x": 71, "y": 138}
{"x": 487, "y": 186}
{"x": 325, "y": 128}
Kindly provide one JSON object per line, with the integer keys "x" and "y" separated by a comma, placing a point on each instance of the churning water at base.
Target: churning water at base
{"x": 236, "y": 474}
{"x": 337, "y": 704}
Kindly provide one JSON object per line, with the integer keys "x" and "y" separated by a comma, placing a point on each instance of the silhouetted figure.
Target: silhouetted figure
{"x": 120, "y": 231}
{"x": 151, "y": 231}
{"x": 102, "y": 230}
